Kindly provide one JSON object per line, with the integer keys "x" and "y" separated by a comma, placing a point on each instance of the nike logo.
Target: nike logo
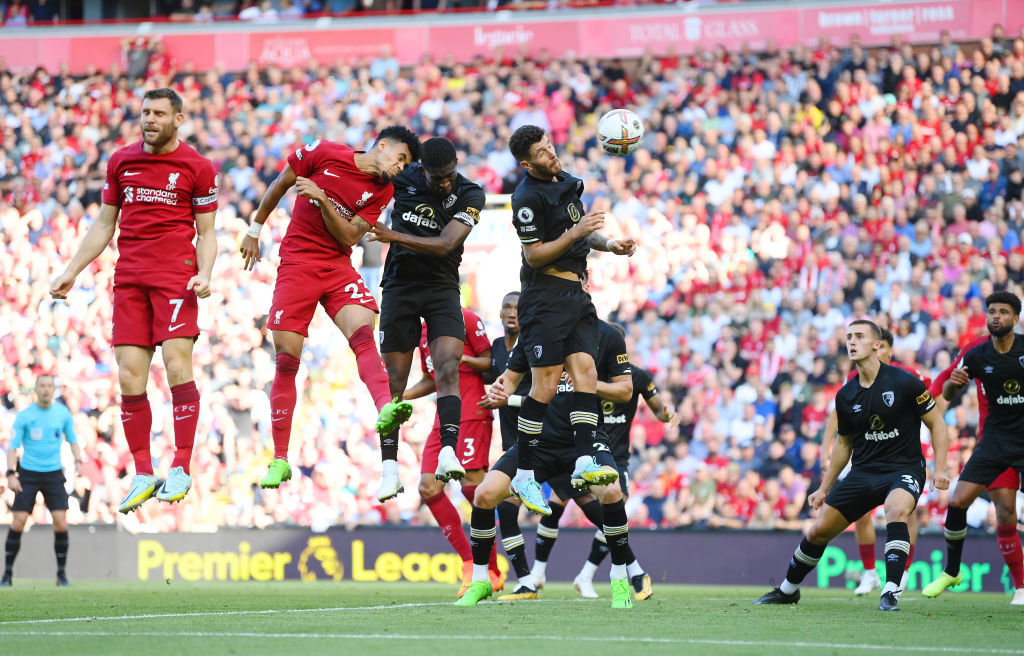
{"x": 173, "y": 328}
{"x": 331, "y": 174}
{"x": 277, "y": 418}
{"x": 182, "y": 417}
{"x": 128, "y": 173}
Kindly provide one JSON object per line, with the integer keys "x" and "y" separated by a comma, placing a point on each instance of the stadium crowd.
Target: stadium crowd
{"x": 778, "y": 195}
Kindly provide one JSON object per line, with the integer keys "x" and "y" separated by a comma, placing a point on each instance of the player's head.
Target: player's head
{"x": 510, "y": 313}
{"x": 1002, "y": 310}
{"x": 395, "y": 148}
{"x": 862, "y": 337}
{"x": 46, "y": 387}
{"x": 161, "y": 116}
{"x": 619, "y": 327}
{"x": 534, "y": 151}
{"x": 439, "y": 165}
{"x": 885, "y": 345}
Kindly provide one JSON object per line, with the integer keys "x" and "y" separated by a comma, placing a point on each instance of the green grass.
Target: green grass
{"x": 404, "y": 619}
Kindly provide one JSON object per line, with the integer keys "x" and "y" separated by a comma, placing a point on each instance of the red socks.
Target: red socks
{"x": 137, "y": 420}
{"x": 1009, "y": 547}
{"x": 910, "y": 557}
{"x": 867, "y": 555}
{"x": 448, "y": 519}
{"x": 282, "y": 403}
{"x": 371, "y": 367}
{"x": 185, "y": 402}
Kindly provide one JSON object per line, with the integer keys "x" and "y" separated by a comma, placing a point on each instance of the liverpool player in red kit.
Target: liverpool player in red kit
{"x": 474, "y": 445}
{"x": 166, "y": 194}
{"x": 342, "y": 193}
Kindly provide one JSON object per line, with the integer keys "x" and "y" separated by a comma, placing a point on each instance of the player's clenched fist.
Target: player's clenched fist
{"x": 61, "y": 285}
{"x": 309, "y": 189}
{"x": 622, "y": 246}
{"x": 201, "y": 285}
{"x": 590, "y": 223}
{"x": 960, "y": 377}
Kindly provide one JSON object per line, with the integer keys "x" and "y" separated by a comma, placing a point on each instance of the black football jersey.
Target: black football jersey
{"x": 883, "y": 421}
{"x": 612, "y": 361}
{"x": 421, "y": 212}
{"x": 618, "y": 417}
{"x": 508, "y": 417}
{"x": 1002, "y": 379}
{"x": 542, "y": 210}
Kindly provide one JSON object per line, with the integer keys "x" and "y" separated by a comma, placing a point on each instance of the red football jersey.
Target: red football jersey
{"x": 159, "y": 196}
{"x": 332, "y": 167}
{"x": 471, "y": 382}
{"x": 940, "y": 380}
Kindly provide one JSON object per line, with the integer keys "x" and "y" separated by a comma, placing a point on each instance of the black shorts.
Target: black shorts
{"x": 552, "y": 464}
{"x": 556, "y": 318}
{"x": 623, "y": 467}
{"x": 402, "y": 305}
{"x": 990, "y": 459}
{"x": 862, "y": 491}
{"x": 51, "y": 484}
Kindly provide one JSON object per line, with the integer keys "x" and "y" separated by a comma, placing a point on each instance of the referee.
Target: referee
{"x": 557, "y": 319}
{"x": 39, "y": 430}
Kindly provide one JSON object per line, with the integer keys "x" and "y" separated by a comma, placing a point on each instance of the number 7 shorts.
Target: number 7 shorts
{"x": 301, "y": 286}
{"x": 151, "y": 306}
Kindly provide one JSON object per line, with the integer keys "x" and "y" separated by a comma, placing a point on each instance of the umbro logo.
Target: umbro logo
{"x": 857, "y": 407}
{"x": 989, "y": 369}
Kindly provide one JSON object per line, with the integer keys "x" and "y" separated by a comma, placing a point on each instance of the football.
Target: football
{"x": 620, "y": 131}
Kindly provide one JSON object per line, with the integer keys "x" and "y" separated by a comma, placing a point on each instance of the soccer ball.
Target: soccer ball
{"x": 620, "y": 131}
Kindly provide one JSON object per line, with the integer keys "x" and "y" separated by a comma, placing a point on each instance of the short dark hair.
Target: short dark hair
{"x": 168, "y": 94}
{"x": 438, "y": 153}
{"x": 512, "y": 293}
{"x": 1005, "y": 297}
{"x": 403, "y": 134}
{"x": 523, "y": 139}
{"x": 618, "y": 326}
{"x": 886, "y": 336}
{"x": 875, "y": 330}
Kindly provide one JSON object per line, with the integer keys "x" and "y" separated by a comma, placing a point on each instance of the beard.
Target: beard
{"x": 1002, "y": 331}
{"x": 160, "y": 139}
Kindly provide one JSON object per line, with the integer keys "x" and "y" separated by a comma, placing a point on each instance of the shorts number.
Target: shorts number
{"x": 176, "y": 302}
{"x": 470, "y": 449}
{"x": 353, "y": 289}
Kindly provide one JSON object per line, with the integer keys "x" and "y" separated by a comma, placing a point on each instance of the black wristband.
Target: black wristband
{"x": 12, "y": 472}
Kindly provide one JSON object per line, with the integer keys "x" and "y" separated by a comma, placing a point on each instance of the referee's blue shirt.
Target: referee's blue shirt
{"x": 40, "y": 432}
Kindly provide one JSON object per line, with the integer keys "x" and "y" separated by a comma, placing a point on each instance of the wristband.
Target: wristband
{"x": 608, "y": 245}
{"x": 254, "y": 229}
{"x": 515, "y": 400}
{"x": 12, "y": 472}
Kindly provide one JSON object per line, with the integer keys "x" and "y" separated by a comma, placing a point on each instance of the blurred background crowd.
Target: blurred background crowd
{"x": 777, "y": 195}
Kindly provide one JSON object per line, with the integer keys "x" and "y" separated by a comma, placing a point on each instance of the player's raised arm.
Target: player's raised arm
{"x": 96, "y": 239}
{"x": 452, "y": 236}
{"x": 539, "y": 254}
{"x": 346, "y": 232}
{"x": 206, "y": 253}
{"x": 250, "y": 248}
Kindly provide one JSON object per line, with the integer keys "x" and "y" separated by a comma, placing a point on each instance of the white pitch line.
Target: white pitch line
{"x": 629, "y": 639}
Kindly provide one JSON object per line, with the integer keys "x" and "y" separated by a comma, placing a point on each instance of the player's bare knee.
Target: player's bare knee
{"x": 18, "y": 524}
{"x": 429, "y": 487}
{"x": 488, "y": 495}
{"x": 607, "y": 494}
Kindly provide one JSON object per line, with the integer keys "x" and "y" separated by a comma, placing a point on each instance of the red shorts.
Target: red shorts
{"x": 1008, "y": 479}
{"x": 300, "y": 287}
{"x": 473, "y": 450}
{"x": 151, "y": 306}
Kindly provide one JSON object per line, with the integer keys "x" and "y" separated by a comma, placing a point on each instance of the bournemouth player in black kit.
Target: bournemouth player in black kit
{"x": 555, "y": 462}
{"x": 557, "y": 320}
{"x": 880, "y": 414}
{"x": 435, "y": 209}
{"x": 999, "y": 365}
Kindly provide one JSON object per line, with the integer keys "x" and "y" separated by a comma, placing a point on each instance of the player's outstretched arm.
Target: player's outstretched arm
{"x": 452, "y": 236}
{"x": 206, "y": 253}
{"x": 828, "y": 437}
{"x": 841, "y": 452}
{"x": 346, "y": 232}
{"x": 599, "y": 242}
{"x": 663, "y": 412}
{"x": 250, "y": 248}
{"x": 498, "y": 395}
{"x": 480, "y": 363}
{"x": 618, "y": 390}
{"x": 936, "y": 424}
{"x": 96, "y": 239}
{"x": 539, "y": 254}
{"x": 425, "y": 386}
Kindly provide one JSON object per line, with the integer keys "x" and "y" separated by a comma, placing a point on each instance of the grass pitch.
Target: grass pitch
{"x": 105, "y": 617}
